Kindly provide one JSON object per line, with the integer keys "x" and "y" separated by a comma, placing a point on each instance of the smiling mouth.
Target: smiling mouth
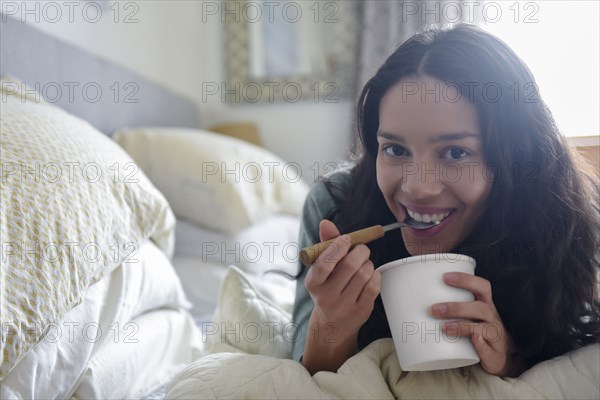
{"x": 436, "y": 218}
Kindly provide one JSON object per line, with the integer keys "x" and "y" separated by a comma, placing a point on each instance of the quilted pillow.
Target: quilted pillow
{"x": 74, "y": 207}
{"x": 215, "y": 181}
{"x": 247, "y": 322}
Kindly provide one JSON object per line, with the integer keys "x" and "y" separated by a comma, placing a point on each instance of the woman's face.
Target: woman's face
{"x": 430, "y": 163}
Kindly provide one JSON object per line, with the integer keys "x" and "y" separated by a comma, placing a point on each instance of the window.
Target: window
{"x": 559, "y": 41}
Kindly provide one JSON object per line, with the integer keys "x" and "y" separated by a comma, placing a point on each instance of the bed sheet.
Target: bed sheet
{"x": 203, "y": 256}
{"x": 54, "y": 366}
{"x": 267, "y": 245}
{"x": 202, "y": 281}
{"x": 126, "y": 369}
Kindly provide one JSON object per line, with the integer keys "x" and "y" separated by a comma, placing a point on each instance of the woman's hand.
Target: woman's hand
{"x": 486, "y": 330}
{"x": 343, "y": 284}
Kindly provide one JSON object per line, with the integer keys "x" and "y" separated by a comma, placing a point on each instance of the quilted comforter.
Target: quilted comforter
{"x": 374, "y": 373}
{"x": 231, "y": 372}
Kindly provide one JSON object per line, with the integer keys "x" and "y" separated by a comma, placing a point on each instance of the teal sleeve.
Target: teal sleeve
{"x": 319, "y": 205}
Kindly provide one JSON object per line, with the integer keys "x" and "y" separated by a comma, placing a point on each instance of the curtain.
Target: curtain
{"x": 387, "y": 23}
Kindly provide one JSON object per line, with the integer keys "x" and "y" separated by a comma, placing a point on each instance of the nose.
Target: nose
{"x": 422, "y": 180}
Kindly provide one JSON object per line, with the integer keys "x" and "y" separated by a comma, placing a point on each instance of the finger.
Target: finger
{"x": 492, "y": 333}
{"x": 327, "y": 261}
{"x": 328, "y": 230}
{"x": 480, "y": 287}
{"x": 371, "y": 290}
{"x": 460, "y": 328}
{"x": 474, "y": 310}
{"x": 357, "y": 281}
{"x": 484, "y": 350}
{"x": 348, "y": 267}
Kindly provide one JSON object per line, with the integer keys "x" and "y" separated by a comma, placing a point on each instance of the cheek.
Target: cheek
{"x": 385, "y": 179}
{"x": 473, "y": 189}
{"x": 389, "y": 181}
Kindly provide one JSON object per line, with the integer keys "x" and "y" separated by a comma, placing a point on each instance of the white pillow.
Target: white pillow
{"x": 247, "y": 322}
{"x": 215, "y": 181}
{"x": 71, "y": 213}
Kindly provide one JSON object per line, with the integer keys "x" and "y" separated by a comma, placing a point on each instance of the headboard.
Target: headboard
{"x": 105, "y": 95}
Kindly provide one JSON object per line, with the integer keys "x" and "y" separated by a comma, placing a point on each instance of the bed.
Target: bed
{"x": 114, "y": 242}
{"x": 139, "y": 255}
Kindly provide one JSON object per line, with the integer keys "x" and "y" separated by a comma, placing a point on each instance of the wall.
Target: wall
{"x": 180, "y": 45}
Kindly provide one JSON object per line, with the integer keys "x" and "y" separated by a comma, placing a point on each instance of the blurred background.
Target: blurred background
{"x": 285, "y": 74}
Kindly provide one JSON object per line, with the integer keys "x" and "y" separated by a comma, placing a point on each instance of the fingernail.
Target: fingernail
{"x": 439, "y": 308}
{"x": 451, "y": 277}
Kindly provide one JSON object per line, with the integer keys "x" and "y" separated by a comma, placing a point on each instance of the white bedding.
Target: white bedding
{"x": 149, "y": 352}
{"x": 200, "y": 281}
{"x": 64, "y": 231}
{"x": 111, "y": 317}
{"x": 269, "y": 244}
{"x": 202, "y": 257}
{"x": 246, "y": 365}
{"x": 374, "y": 373}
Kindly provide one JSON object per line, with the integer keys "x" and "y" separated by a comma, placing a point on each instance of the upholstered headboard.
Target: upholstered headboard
{"x": 105, "y": 95}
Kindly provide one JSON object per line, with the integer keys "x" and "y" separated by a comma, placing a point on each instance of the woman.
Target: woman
{"x": 453, "y": 130}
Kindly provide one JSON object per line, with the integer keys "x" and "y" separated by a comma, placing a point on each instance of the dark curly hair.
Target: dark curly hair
{"x": 538, "y": 240}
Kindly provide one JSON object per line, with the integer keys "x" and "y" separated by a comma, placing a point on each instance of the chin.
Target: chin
{"x": 419, "y": 246}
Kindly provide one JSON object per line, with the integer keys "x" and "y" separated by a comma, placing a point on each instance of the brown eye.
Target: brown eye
{"x": 455, "y": 154}
{"x": 395, "y": 150}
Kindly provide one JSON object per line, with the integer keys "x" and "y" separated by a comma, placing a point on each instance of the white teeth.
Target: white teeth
{"x": 437, "y": 218}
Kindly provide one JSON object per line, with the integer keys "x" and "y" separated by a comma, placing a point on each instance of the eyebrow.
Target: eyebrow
{"x": 445, "y": 137}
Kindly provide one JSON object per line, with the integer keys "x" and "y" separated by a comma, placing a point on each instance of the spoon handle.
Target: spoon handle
{"x": 309, "y": 254}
